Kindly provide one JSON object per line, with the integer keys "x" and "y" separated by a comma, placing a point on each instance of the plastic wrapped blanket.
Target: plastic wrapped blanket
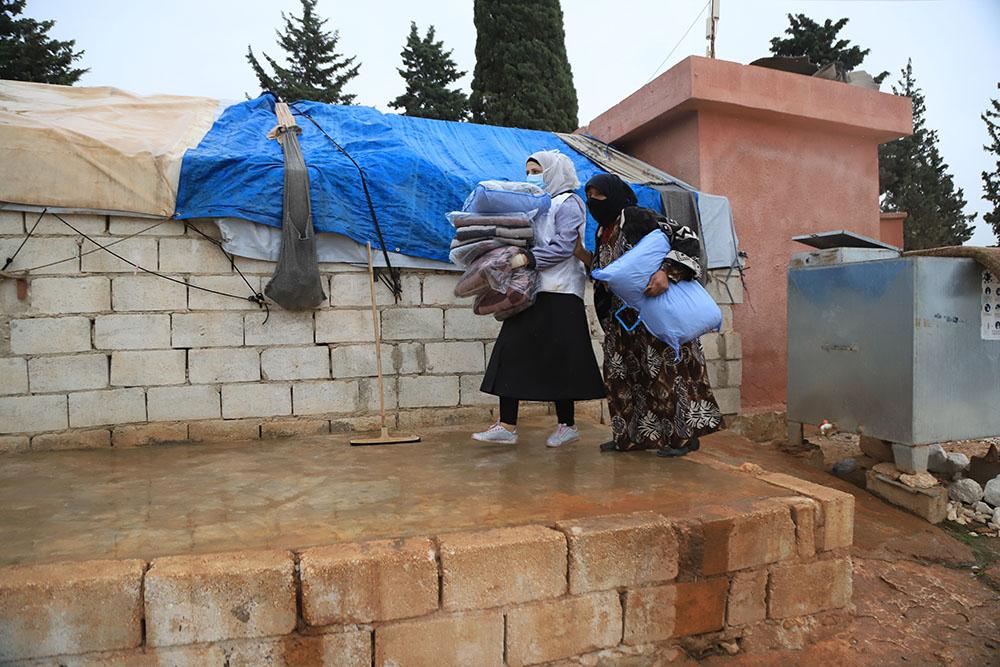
{"x": 464, "y": 254}
{"x": 460, "y": 219}
{"x": 507, "y": 197}
{"x": 522, "y": 288}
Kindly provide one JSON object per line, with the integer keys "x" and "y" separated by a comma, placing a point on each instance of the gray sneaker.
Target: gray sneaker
{"x": 496, "y": 433}
{"x": 562, "y": 435}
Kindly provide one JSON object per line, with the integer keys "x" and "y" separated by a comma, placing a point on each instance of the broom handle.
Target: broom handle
{"x": 378, "y": 339}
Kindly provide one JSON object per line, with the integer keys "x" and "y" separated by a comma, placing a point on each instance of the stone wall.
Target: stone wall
{"x": 97, "y": 354}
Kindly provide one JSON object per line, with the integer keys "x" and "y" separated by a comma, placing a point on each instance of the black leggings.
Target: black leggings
{"x": 565, "y": 411}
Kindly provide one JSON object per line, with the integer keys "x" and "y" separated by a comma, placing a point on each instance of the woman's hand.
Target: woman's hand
{"x": 582, "y": 254}
{"x": 658, "y": 284}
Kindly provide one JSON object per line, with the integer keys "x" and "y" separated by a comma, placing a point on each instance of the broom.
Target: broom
{"x": 383, "y": 438}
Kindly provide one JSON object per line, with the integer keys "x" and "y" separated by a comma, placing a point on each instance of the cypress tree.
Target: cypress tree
{"x": 914, "y": 178}
{"x": 991, "y": 180}
{"x": 27, "y": 53}
{"x": 315, "y": 70}
{"x": 821, "y": 44}
{"x": 429, "y": 71}
{"x": 522, "y": 76}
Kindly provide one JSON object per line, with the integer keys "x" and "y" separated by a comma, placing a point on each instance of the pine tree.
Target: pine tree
{"x": 820, "y": 43}
{"x": 522, "y": 76}
{"x": 914, "y": 178}
{"x": 27, "y": 53}
{"x": 315, "y": 70}
{"x": 429, "y": 71}
{"x": 991, "y": 181}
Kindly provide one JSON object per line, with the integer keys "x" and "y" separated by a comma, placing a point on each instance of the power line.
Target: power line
{"x": 664, "y": 61}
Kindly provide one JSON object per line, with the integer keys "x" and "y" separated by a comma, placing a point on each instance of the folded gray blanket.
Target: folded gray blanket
{"x": 490, "y": 232}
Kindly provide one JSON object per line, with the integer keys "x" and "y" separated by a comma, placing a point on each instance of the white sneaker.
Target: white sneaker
{"x": 562, "y": 435}
{"x": 496, "y": 433}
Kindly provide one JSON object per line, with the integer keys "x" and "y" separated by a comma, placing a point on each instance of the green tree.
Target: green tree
{"x": 522, "y": 76}
{"x": 27, "y": 53}
{"x": 821, "y": 44}
{"x": 991, "y": 180}
{"x": 914, "y": 178}
{"x": 429, "y": 71}
{"x": 315, "y": 70}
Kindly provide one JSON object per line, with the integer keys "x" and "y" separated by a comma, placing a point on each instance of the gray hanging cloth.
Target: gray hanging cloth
{"x": 296, "y": 283}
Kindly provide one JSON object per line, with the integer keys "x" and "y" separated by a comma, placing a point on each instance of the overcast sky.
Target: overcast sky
{"x": 197, "y": 47}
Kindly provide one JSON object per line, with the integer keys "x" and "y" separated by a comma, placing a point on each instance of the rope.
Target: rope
{"x": 33, "y": 227}
{"x": 231, "y": 258}
{"x": 678, "y": 42}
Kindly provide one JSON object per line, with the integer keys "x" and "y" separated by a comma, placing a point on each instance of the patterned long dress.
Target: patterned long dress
{"x": 656, "y": 400}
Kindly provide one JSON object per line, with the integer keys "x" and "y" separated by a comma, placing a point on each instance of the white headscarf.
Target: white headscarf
{"x": 557, "y": 171}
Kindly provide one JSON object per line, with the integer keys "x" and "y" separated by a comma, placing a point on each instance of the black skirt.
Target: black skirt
{"x": 545, "y": 354}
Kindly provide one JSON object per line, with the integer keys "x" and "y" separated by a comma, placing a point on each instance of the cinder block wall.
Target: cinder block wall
{"x": 98, "y": 355}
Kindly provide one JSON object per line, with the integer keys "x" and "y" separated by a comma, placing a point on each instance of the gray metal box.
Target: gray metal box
{"x": 896, "y": 349}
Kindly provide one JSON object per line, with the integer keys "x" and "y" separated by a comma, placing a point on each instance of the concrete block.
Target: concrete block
{"x": 89, "y": 223}
{"x": 37, "y": 252}
{"x": 256, "y": 400}
{"x": 282, "y": 328}
{"x": 344, "y": 326}
{"x": 70, "y": 608}
{"x": 469, "y": 391}
{"x": 725, "y": 290}
{"x": 428, "y": 391}
{"x": 501, "y": 566}
{"x": 439, "y": 290}
{"x": 557, "y": 629}
{"x": 140, "y": 435}
{"x": 352, "y": 361}
{"x": 835, "y": 523}
{"x": 119, "y": 225}
{"x": 147, "y": 293}
{"x": 619, "y": 550}
{"x": 409, "y": 358}
{"x": 412, "y": 323}
{"x": 713, "y": 346}
{"x": 224, "y": 364}
{"x": 262, "y": 267}
{"x": 14, "y": 372}
{"x": 68, "y": 373}
{"x": 747, "y": 598}
{"x": 43, "y": 335}
{"x": 224, "y": 429}
{"x": 183, "y": 402}
{"x": 192, "y": 255}
{"x": 99, "y": 438}
{"x": 806, "y": 515}
{"x": 716, "y": 370}
{"x": 734, "y": 372}
{"x": 728, "y": 399}
{"x": 295, "y": 363}
{"x": 808, "y": 588}
{"x": 455, "y": 357}
{"x": 110, "y": 406}
{"x": 368, "y": 397}
{"x": 140, "y": 368}
{"x": 138, "y": 250}
{"x": 13, "y": 444}
{"x": 199, "y": 299}
{"x": 206, "y": 330}
{"x": 363, "y": 582}
{"x": 349, "y": 648}
{"x": 27, "y": 414}
{"x": 931, "y": 504}
{"x": 911, "y": 459}
{"x": 12, "y": 222}
{"x": 318, "y": 398}
{"x": 411, "y": 419}
{"x": 450, "y": 640}
{"x": 876, "y": 448}
{"x": 353, "y": 289}
{"x": 132, "y": 332}
{"x": 212, "y": 597}
{"x": 291, "y": 427}
{"x": 733, "y": 345}
{"x": 60, "y": 296}
{"x": 650, "y": 614}
{"x": 727, "y": 317}
{"x": 462, "y": 324}
{"x": 747, "y": 537}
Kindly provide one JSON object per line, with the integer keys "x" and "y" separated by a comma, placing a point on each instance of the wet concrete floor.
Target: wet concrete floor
{"x": 299, "y": 492}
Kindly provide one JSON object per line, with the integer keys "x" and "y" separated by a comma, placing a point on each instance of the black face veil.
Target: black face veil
{"x": 618, "y": 193}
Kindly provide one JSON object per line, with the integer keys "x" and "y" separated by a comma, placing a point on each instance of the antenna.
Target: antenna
{"x": 711, "y": 28}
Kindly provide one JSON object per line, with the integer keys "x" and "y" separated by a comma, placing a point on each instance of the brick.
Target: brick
{"x": 256, "y": 400}
{"x": 192, "y": 255}
{"x": 119, "y": 225}
{"x": 295, "y": 363}
{"x": 363, "y": 582}
{"x": 835, "y": 523}
{"x": 110, "y": 406}
{"x": 207, "y": 598}
{"x": 620, "y": 550}
{"x": 808, "y": 588}
{"x": 147, "y": 293}
{"x": 352, "y": 289}
{"x": 183, "y": 402}
{"x": 455, "y": 357}
{"x": 351, "y": 648}
{"x": 700, "y": 606}
{"x": 12, "y": 222}
{"x": 368, "y": 396}
{"x": 26, "y": 414}
{"x": 68, "y": 608}
{"x": 288, "y": 428}
{"x": 318, "y": 398}
{"x": 77, "y": 439}
{"x": 556, "y": 629}
{"x": 748, "y": 537}
{"x": 68, "y": 373}
{"x": 141, "y": 435}
{"x": 138, "y": 368}
{"x": 428, "y": 391}
{"x": 344, "y": 326}
{"x": 224, "y": 429}
{"x": 502, "y": 566}
{"x": 238, "y": 364}
{"x": 712, "y": 345}
{"x": 804, "y": 512}
{"x": 439, "y": 290}
{"x": 462, "y": 324}
{"x": 14, "y": 372}
{"x": 88, "y": 223}
{"x": 38, "y": 251}
{"x": 50, "y": 334}
{"x": 449, "y": 640}
{"x": 12, "y": 444}
{"x": 282, "y": 328}
{"x": 58, "y": 296}
{"x": 131, "y": 332}
{"x": 352, "y": 361}
{"x": 729, "y": 400}
{"x": 138, "y": 250}
{"x": 199, "y": 299}
{"x": 469, "y": 391}
{"x": 206, "y": 330}
{"x": 412, "y": 323}
{"x": 747, "y": 598}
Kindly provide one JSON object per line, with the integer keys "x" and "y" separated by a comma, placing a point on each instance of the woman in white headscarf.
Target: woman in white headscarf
{"x": 545, "y": 353}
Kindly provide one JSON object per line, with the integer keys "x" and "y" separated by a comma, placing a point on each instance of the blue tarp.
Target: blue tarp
{"x": 417, "y": 170}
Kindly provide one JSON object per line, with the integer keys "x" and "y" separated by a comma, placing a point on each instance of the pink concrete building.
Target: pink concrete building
{"x": 794, "y": 154}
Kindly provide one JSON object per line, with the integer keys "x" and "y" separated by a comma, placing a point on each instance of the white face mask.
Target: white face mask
{"x": 535, "y": 179}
